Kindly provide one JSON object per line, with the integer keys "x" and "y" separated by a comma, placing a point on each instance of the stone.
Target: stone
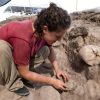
{"x": 77, "y": 42}
{"x": 78, "y": 31}
{"x": 93, "y": 90}
{"x": 79, "y": 90}
{"x": 93, "y": 72}
{"x": 46, "y": 93}
{"x": 90, "y": 54}
{"x": 71, "y": 85}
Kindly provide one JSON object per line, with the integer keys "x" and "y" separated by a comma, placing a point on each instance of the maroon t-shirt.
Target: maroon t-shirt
{"x": 21, "y": 36}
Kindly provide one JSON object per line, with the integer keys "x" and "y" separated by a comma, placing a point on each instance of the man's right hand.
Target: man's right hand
{"x": 58, "y": 84}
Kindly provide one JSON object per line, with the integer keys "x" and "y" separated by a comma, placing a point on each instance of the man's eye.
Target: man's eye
{"x": 58, "y": 38}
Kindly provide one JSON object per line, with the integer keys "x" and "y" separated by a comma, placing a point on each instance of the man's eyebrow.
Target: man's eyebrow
{"x": 58, "y": 37}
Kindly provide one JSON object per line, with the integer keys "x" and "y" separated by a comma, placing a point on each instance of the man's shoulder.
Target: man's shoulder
{"x": 21, "y": 29}
{"x": 23, "y": 22}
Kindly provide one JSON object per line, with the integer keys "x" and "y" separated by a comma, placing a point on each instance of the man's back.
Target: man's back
{"x": 17, "y": 29}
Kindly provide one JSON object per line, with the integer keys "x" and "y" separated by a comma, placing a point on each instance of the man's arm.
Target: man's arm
{"x": 32, "y": 76}
{"x": 59, "y": 72}
{"x": 52, "y": 58}
{"x": 35, "y": 77}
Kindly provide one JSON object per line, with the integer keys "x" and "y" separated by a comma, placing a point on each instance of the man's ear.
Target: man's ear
{"x": 45, "y": 29}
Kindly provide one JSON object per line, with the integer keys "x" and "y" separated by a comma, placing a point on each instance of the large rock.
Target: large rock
{"x": 93, "y": 90}
{"x": 90, "y": 54}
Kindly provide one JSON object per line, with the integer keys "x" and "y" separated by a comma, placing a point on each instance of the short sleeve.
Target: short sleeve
{"x": 21, "y": 52}
{"x": 3, "y": 31}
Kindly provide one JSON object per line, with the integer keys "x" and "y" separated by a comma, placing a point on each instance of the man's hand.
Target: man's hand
{"x": 35, "y": 77}
{"x": 58, "y": 84}
{"x": 61, "y": 74}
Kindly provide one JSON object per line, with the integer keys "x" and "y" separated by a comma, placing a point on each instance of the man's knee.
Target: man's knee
{"x": 44, "y": 51}
{"x": 5, "y": 55}
{"x": 5, "y": 48}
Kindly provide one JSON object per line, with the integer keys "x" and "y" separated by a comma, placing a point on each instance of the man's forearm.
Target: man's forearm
{"x": 55, "y": 65}
{"x": 35, "y": 77}
{"x": 52, "y": 58}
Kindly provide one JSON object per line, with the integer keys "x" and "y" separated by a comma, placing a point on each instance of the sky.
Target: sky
{"x": 69, "y": 5}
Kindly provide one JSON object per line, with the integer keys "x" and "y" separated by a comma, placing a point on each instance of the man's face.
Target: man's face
{"x": 52, "y": 37}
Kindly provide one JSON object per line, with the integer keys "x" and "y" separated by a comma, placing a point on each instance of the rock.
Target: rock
{"x": 5, "y": 94}
{"x": 93, "y": 72}
{"x": 93, "y": 90}
{"x": 71, "y": 85}
{"x": 90, "y": 54}
{"x": 46, "y": 93}
{"x": 79, "y": 91}
{"x": 78, "y": 31}
{"x": 77, "y": 42}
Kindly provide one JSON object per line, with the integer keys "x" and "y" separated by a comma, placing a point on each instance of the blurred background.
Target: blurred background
{"x": 27, "y": 7}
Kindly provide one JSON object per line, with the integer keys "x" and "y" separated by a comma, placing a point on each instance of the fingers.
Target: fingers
{"x": 63, "y": 87}
{"x": 64, "y": 76}
{"x": 67, "y": 78}
{"x": 58, "y": 76}
{"x": 60, "y": 85}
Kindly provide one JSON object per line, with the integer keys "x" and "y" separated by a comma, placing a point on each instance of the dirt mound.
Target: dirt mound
{"x": 90, "y": 16}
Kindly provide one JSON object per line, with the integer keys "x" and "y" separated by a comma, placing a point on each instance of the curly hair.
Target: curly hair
{"x": 54, "y": 17}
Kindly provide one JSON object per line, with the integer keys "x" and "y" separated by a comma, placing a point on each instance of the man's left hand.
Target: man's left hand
{"x": 61, "y": 74}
